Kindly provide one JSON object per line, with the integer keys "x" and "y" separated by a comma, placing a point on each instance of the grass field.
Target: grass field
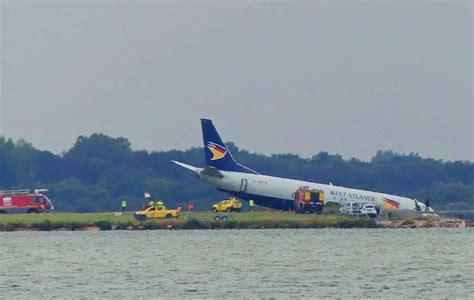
{"x": 195, "y": 220}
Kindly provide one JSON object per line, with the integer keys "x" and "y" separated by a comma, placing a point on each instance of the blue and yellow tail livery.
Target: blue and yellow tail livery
{"x": 217, "y": 154}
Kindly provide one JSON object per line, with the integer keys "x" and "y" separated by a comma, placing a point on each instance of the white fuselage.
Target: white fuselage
{"x": 283, "y": 188}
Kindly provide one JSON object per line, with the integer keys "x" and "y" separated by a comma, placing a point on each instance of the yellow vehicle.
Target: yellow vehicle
{"x": 156, "y": 213}
{"x": 227, "y": 205}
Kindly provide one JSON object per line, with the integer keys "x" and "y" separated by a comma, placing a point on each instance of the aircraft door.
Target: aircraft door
{"x": 243, "y": 185}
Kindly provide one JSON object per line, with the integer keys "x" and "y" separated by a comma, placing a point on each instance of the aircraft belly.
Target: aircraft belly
{"x": 274, "y": 191}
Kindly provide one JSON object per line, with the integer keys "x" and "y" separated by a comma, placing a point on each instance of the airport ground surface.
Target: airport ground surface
{"x": 207, "y": 220}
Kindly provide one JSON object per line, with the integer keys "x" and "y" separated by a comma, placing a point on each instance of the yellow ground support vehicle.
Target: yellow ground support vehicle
{"x": 227, "y": 205}
{"x": 156, "y": 213}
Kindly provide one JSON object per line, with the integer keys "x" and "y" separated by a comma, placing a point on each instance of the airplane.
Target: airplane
{"x": 226, "y": 174}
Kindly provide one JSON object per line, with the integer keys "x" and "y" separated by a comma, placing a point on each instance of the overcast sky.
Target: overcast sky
{"x": 347, "y": 78}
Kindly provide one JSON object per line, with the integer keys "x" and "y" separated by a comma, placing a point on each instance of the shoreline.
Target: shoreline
{"x": 94, "y": 222}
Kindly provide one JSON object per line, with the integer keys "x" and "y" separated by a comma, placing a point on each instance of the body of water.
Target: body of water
{"x": 350, "y": 263}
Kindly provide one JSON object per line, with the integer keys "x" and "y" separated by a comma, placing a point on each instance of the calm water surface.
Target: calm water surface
{"x": 359, "y": 263}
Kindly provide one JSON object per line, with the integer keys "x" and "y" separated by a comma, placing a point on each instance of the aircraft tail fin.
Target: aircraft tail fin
{"x": 217, "y": 153}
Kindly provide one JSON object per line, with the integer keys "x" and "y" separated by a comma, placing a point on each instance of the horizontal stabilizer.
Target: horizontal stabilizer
{"x": 213, "y": 172}
{"x": 189, "y": 167}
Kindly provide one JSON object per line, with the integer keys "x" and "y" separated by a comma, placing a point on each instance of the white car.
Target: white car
{"x": 369, "y": 210}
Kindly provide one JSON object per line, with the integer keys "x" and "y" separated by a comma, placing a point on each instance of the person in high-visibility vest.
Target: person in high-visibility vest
{"x": 160, "y": 204}
{"x": 252, "y": 204}
{"x": 124, "y": 204}
{"x": 417, "y": 206}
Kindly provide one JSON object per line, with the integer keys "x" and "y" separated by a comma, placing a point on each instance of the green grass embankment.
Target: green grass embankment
{"x": 195, "y": 220}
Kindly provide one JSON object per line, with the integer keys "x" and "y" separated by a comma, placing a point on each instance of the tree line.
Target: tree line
{"x": 99, "y": 171}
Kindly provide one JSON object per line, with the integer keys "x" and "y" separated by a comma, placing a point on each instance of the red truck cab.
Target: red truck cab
{"x": 306, "y": 200}
{"x": 23, "y": 201}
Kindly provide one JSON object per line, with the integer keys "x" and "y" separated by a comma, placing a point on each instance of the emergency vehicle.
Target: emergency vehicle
{"x": 23, "y": 201}
{"x": 156, "y": 212}
{"x": 227, "y": 205}
{"x": 306, "y": 200}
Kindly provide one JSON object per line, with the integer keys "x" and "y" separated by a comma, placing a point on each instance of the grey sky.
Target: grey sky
{"x": 348, "y": 78}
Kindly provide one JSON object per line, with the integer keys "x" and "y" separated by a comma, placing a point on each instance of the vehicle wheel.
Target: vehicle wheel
{"x": 169, "y": 216}
{"x": 229, "y": 209}
{"x": 32, "y": 211}
{"x": 217, "y": 218}
{"x": 141, "y": 218}
{"x": 224, "y": 218}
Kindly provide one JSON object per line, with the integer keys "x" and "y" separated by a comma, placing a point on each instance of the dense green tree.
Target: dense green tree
{"x": 99, "y": 171}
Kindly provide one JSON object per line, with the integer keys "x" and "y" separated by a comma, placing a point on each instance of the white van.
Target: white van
{"x": 350, "y": 208}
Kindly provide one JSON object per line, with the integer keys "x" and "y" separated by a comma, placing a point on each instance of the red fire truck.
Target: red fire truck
{"x": 23, "y": 201}
{"x": 307, "y": 200}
